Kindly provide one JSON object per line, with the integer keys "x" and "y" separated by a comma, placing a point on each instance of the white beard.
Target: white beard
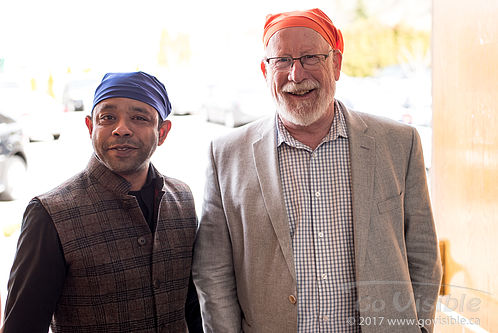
{"x": 303, "y": 113}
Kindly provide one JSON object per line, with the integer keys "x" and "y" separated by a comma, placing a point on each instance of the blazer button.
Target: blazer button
{"x": 142, "y": 240}
{"x": 292, "y": 299}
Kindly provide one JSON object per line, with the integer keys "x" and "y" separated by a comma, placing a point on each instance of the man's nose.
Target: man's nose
{"x": 122, "y": 129}
{"x": 296, "y": 71}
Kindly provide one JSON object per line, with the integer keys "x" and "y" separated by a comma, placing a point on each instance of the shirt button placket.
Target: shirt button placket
{"x": 316, "y": 196}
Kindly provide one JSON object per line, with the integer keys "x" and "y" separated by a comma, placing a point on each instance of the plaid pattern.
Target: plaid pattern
{"x": 121, "y": 277}
{"x": 317, "y": 194}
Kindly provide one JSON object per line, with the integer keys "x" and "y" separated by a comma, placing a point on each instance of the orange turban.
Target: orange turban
{"x": 314, "y": 19}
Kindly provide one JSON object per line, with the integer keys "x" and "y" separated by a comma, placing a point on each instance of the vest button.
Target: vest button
{"x": 292, "y": 299}
{"x": 142, "y": 240}
{"x": 156, "y": 283}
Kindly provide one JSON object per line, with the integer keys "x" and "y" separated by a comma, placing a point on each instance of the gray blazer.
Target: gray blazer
{"x": 243, "y": 260}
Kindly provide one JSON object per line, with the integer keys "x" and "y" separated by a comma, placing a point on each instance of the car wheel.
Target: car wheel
{"x": 15, "y": 178}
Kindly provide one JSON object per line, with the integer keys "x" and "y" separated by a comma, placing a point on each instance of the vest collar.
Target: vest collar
{"x": 112, "y": 181}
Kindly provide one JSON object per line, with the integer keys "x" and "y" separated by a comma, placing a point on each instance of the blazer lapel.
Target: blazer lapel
{"x": 362, "y": 153}
{"x": 266, "y": 161}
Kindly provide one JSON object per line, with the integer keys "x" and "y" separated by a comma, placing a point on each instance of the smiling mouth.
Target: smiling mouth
{"x": 121, "y": 148}
{"x": 300, "y": 92}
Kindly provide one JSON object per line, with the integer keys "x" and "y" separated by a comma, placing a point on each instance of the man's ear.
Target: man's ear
{"x": 337, "y": 64}
{"x": 89, "y": 124}
{"x": 263, "y": 68}
{"x": 163, "y": 131}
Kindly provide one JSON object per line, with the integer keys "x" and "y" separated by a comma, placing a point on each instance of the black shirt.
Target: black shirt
{"x": 39, "y": 270}
{"x": 148, "y": 199}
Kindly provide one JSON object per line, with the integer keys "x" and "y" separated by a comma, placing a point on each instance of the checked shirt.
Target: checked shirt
{"x": 317, "y": 193}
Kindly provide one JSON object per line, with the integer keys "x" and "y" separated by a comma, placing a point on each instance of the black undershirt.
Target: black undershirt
{"x": 146, "y": 198}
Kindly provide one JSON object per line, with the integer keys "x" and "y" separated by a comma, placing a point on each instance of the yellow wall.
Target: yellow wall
{"x": 464, "y": 175}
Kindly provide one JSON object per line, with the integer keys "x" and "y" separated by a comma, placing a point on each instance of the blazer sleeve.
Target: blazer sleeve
{"x": 213, "y": 271}
{"x": 420, "y": 235}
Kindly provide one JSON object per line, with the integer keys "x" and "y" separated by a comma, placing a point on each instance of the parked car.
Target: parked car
{"x": 237, "y": 106}
{"x": 37, "y": 113}
{"x": 410, "y": 88}
{"x": 396, "y": 92}
{"x": 13, "y": 162}
{"x": 78, "y": 94}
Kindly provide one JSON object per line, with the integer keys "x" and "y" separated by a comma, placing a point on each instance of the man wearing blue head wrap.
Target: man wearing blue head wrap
{"x": 128, "y": 123}
{"x": 110, "y": 249}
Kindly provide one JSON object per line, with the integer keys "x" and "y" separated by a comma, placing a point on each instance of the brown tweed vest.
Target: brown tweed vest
{"x": 120, "y": 276}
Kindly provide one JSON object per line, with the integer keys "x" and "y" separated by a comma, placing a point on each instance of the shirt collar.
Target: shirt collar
{"x": 337, "y": 129}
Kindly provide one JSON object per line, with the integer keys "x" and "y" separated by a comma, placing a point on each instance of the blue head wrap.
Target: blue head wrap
{"x": 139, "y": 86}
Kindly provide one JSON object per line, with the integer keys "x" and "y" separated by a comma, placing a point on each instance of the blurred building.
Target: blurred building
{"x": 465, "y": 161}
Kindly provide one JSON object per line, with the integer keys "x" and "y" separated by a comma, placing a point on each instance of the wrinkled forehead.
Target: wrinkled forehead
{"x": 296, "y": 39}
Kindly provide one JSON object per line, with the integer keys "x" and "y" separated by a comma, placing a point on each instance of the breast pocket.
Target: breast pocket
{"x": 390, "y": 204}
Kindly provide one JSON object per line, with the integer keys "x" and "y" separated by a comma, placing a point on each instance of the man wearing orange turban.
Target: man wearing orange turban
{"x": 317, "y": 219}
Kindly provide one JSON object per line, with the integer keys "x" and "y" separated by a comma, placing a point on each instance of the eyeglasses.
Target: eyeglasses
{"x": 308, "y": 61}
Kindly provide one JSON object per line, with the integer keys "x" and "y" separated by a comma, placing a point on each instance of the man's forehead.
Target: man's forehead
{"x": 302, "y": 37}
{"x": 123, "y": 103}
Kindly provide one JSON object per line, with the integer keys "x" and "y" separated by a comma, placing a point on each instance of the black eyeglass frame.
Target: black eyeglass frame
{"x": 325, "y": 56}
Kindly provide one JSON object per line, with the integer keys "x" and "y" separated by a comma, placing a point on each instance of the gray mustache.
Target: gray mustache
{"x": 292, "y": 87}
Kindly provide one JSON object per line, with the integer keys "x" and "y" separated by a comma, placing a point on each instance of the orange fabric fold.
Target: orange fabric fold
{"x": 314, "y": 19}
